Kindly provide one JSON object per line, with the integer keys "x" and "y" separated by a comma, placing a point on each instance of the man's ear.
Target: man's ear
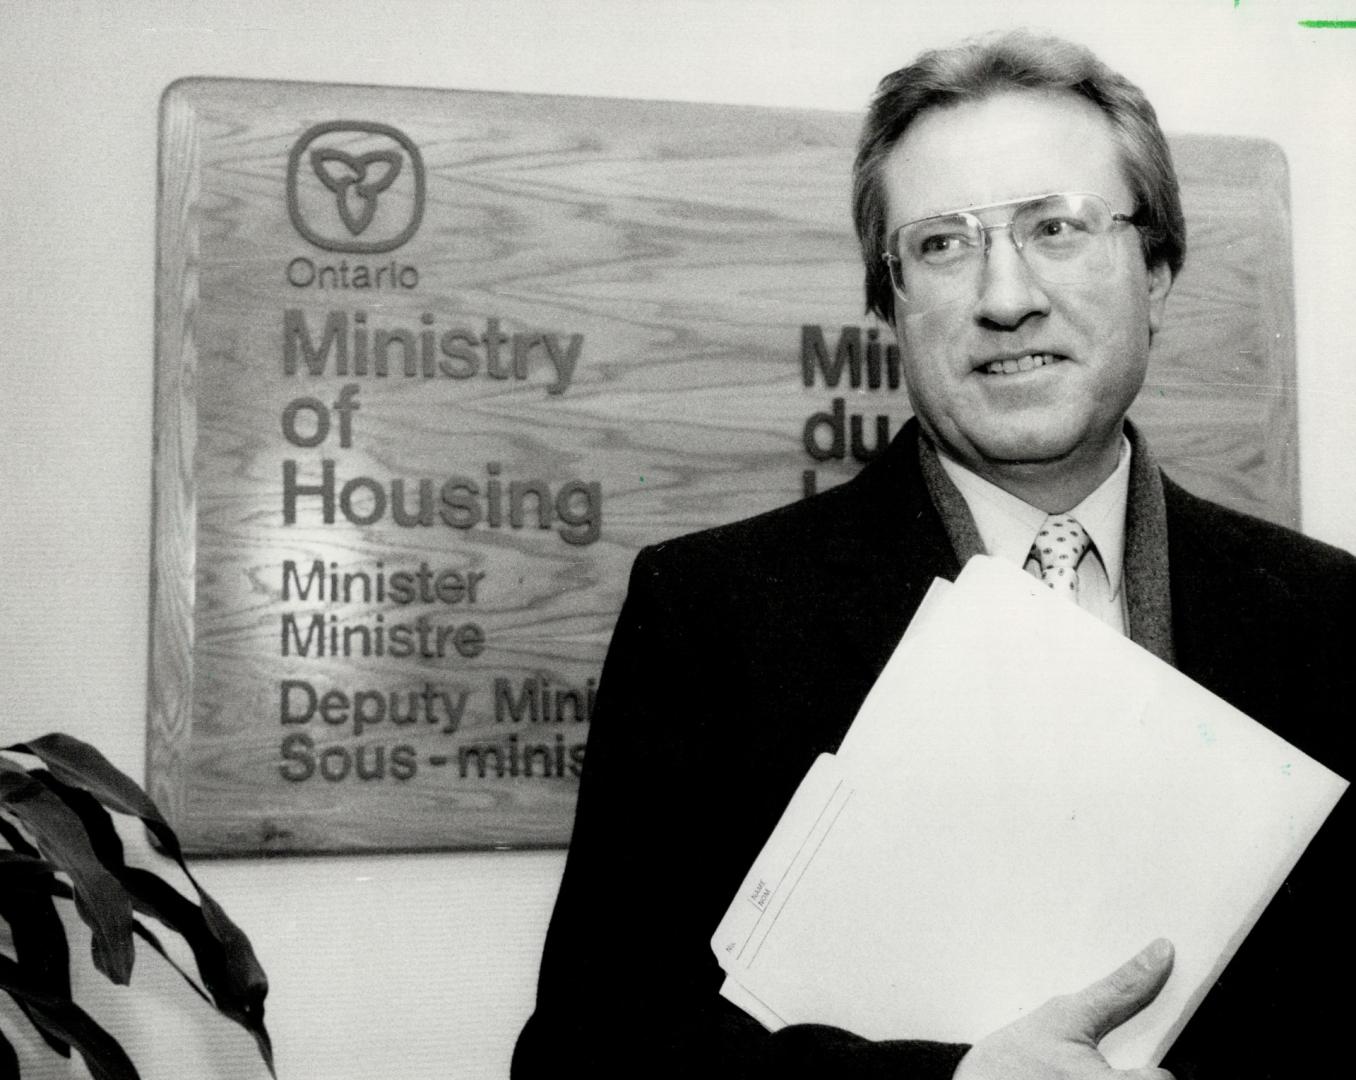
{"x": 1160, "y": 284}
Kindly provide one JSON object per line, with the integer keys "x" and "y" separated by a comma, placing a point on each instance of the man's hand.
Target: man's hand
{"x": 1059, "y": 1040}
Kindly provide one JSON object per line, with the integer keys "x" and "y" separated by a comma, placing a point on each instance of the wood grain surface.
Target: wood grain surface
{"x": 680, "y": 250}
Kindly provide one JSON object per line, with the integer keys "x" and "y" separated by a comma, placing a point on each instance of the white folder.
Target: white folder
{"x": 1025, "y": 799}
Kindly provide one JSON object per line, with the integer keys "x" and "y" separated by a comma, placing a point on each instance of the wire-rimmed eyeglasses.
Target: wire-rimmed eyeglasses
{"x": 1064, "y": 239}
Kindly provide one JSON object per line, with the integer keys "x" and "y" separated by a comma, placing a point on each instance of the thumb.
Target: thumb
{"x": 1111, "y": 1001}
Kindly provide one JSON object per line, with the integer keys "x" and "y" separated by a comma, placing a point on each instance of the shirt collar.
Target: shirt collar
{"x": 1007, "y": 525}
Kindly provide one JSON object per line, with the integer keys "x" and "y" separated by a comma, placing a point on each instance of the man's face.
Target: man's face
{"x": 1060, "y": 418}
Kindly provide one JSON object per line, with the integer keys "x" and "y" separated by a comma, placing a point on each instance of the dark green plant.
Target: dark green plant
{"x": 58, "y": 842}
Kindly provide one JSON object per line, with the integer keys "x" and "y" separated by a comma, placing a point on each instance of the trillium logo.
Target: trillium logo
{"x": 356, "y": 187}
{"x": 356, "y": 182}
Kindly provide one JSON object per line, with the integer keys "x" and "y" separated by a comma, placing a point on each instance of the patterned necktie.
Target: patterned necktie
{"x": 1059, "y": 546}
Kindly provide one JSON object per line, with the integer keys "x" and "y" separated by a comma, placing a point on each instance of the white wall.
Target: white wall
{"x": 424, "y": 966}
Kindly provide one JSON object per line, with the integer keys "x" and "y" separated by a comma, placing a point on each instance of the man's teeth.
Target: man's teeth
{"x": 1021, "y": 363}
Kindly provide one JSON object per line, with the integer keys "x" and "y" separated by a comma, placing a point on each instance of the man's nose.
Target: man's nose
{"x": 1009, "y": 293}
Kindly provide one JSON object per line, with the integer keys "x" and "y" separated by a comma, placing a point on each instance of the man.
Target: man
{"x": 1021, "y": 228}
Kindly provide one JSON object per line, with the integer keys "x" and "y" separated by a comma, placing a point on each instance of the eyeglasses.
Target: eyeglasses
{"x": 1064, "y": 239}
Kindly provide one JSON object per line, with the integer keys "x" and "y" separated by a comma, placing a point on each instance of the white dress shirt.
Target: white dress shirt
{"x": 1008, "y": 527}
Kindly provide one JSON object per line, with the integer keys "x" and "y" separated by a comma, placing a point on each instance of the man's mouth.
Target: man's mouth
{"x": 1025, "y": 362}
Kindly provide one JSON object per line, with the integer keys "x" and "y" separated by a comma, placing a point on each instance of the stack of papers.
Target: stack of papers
{"x": 1025, "y": 799}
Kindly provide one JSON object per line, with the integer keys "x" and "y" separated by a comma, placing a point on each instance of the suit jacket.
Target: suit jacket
{"x": 744, "y": 651}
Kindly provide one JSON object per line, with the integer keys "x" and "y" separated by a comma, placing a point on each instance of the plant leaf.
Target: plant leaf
{"x": 63, "y": 1018}
{"x": 147, "y": 935}
{"x": 15, "y": 839}
{"x": 237, "y": 980}
{"x": 54, "y": 886}
{"x": 81, "y": 765}
{"x": 103, "y": 838}
{"x": 9, "y": 1060}
{"x": 24, "y": 869}
{"x": 38, "y": 934}
{"x": 58, "y": 1045}
{"x": 20, "y": 866}
{"x": 62, "y": 837}
{"x": 156, "y": 897}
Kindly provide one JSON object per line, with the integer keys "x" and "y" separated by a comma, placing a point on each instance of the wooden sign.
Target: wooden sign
{"x": 432, "y": 366}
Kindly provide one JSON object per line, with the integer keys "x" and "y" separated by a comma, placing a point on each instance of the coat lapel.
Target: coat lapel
{"x": 890, "y": 544}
